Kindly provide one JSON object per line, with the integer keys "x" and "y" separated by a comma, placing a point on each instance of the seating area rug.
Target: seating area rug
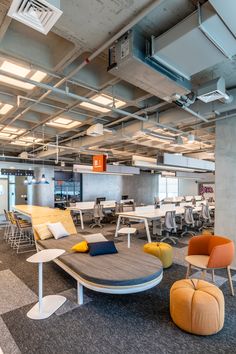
{"x": 136, "y": 323}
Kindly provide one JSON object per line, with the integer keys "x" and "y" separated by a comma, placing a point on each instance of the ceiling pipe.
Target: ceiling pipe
{"x": 98, "y": 51}
{"x": 65, "y": 93}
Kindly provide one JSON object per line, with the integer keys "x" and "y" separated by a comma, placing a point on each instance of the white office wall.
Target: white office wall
{"x": 188, "y": 187}
{"x": 142, "y": 188}
{"x": 94, "y": 185}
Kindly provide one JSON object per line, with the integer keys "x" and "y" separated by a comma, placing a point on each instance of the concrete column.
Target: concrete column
{"x": 225, "y": 179}
{"x": 43, "y": 194}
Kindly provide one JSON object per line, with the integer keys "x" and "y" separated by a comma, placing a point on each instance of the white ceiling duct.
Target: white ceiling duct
{"x": 197, "y": 43}
{"x": 40, "y": 15}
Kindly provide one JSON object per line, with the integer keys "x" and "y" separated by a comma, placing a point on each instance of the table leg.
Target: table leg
{"x": 40, "y": 286}
{"x": 80, "y": 293}
{"x": 128, "y": 240}
{"x": 147, "y": 230}
{"x": 117, "y": 226}
{"x": 81, "y": 219}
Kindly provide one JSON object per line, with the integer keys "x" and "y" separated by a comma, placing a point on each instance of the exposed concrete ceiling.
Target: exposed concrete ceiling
{"x": 83, "y": 28}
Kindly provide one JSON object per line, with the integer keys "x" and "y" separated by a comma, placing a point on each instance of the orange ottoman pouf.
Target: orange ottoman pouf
{"x": 161, "y": 250}
{"x": 197, "y": 306}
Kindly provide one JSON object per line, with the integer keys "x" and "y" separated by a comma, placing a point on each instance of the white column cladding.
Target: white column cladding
{"x": 225, "y": 179}
{"x": 43, "y": 194}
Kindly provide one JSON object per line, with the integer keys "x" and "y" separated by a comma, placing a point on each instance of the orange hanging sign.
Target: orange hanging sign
{"x": 99, "y": 163}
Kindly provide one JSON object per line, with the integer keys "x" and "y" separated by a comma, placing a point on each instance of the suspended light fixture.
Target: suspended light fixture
{"x": 43, "y": 178}
{"x": 178, "y": 140}
{"x": 191, "y": 138}
{"x": 33, "y": 179}
{"x": 25, "y": 181}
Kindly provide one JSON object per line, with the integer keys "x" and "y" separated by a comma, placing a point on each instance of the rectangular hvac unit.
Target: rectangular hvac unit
{"x": 129, "y": 61}
{"x": 189, "y": 162}
{"x": 196, "y": 43}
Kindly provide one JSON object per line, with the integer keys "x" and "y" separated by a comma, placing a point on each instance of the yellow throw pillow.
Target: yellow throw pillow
{"x": 43, "y": 231}
{"x": 81, "y": 247}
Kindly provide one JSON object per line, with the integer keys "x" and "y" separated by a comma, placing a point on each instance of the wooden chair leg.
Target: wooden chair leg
{"x": 188, "y": 271}
{"x": 230, "y": 281}
{"x": 213, "y": 276}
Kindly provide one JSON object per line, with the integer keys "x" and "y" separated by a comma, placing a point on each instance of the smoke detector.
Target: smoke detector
{"x": 95, "y": 130}
{"x": 40, "y": 15}
{"x": 212, "y": 91}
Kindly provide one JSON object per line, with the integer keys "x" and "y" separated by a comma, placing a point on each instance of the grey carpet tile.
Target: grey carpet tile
{"x": 7, "y": 343}
{"x": 71, "y": 301}
{"x": 137, "y": 323}
{"x": 13, "y": 292}
{"x": 219, "y": 281}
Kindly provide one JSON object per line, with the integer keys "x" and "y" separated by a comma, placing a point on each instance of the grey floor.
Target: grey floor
{"x": 137, "y": 323}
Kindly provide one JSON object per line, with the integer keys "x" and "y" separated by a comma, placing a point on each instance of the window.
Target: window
{"x": 168, "y": 187}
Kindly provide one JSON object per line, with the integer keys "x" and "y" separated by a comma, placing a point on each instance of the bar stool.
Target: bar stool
{"x": 46, "y": 305}
{"x": 127, "y": 231}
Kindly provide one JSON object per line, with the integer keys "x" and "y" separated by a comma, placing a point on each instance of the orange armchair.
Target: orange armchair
{"x": 210, "y": 252}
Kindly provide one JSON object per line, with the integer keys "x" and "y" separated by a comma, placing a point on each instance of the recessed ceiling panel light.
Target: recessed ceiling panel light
{"x": 38, "y": 76}
{"x": 63, "y": 123}
{"x": 13, "y": 130}
{"x": 16, "y": 83}
{"x": 20, "y": 143}
{"x": 105, "y": 100}
{"x": 14, "y": 69}
{"x": 5, "y": 108}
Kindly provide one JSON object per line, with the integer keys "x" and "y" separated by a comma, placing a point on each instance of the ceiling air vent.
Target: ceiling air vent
{"x": 212, "y": 91}
{"x": 40, "y": 15}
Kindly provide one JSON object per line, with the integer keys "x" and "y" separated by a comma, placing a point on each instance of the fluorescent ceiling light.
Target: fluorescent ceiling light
{"x": 5, "y": 108}
{"x": 105, "y": 100}
{"x": 14, "y": 69}
{"x": 13, "y": 130}
{"x": 38, "y": 76}
{"x": 20, "y": 143}
{"x": 20, "y": 71}
{"x": 31, "y": 139}
{"x": 16, "y": 83}
{"x": 26, "y": 141}
{"x": 64, "y": 123}
{"x": 7, "y": 136}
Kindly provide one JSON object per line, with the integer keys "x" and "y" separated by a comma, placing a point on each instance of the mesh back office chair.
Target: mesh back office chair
{"x": 188, "y": 222}
{"x": 206, "y": 217}
{"x": 98, "y": 215}
{"x": 170, "y": 227}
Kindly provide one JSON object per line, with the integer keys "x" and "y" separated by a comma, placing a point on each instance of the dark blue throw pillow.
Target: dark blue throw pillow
{"x": 99, "y": 248}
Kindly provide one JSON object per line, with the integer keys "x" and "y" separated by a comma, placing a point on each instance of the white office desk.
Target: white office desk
{"x": 83, "y": 207}
{"x": 150, "y": 214}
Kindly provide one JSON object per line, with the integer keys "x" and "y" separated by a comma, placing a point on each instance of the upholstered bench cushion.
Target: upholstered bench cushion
{"x": 161, "y": 250}
{"x": 197, "y": 306}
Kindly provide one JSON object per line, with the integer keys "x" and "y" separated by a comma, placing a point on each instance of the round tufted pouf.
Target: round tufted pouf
{"x": 161, "y": 250}
{"x": 197, "y": 306}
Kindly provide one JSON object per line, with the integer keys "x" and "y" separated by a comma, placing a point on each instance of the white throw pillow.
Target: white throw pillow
{"x": 58, "y": 230}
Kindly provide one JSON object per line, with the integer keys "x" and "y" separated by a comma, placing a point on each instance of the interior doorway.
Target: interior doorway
{"x": 3, "y": 195}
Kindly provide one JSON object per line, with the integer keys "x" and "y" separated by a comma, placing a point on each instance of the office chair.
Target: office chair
{"x": 188, "y": 222}
{"x": 170, "y": 227}
{"x": 98, "y": 215}
{"x": 205, "y": 217}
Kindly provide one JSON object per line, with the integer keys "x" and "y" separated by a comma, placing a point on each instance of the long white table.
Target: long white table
{"x": 83, "y": 207}
{"x": 149, "y": 213}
